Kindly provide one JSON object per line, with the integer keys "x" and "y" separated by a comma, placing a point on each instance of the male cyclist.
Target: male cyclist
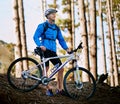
{"x": 45, "y": 37}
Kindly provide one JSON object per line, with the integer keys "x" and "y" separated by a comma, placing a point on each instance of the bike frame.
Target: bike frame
{"x": 69, "y": 58}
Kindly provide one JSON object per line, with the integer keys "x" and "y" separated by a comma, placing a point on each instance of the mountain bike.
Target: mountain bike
{"x": 25, "y": 74}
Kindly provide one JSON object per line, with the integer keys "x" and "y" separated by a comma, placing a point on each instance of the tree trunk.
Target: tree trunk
{"x": 110, "y": 56}
{"x": 93, "y": 39}
{"x": 43, "y": 2}
{"x": 103, "y": 55}
{"x": 70, "y": 25}
{"x": 83, "y": 29}
{"x": 110, "y": 53}
{"x": 42, "y": 11}
{"x": 88, "y": 18}
{"x": 22, "y": 32}
{"x": 17, "y": 31}
{"x": 18, "y": 52}
{"x": 113, "y": 44}
{"x": 73, "y": 23}
{"x": 22, "y": 28}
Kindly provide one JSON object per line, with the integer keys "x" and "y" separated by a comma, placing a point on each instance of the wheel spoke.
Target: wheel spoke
{"x": 18, "y": 77}
{"x": 78, "y": 87}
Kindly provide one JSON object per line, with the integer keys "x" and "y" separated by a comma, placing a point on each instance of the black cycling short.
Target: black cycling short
{"x": 49, "y": 53}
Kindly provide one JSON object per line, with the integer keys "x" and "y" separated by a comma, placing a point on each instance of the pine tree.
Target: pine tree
{"x": 93, "y": 39}
{"x": 22, "y": 28}
{"x": 116, "y": 16}
{"x": 22, "y": 31}
{"x": 112, "y": 43}
{"x": 18, "y": 52}
{"x": 17, "y": 29}
{"x": 84, "y": 36}
{"x": 103, "y": 55}
{"x": 73, "y": 22}
{"x": 67, "y": 22}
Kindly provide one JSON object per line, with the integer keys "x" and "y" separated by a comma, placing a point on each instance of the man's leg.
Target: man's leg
{"x": 60, "y": 80}
{"x": 47, "y": 68}
{"x": 60, "y": 73}
{"x": 46, "y": 71}
{"x": 48, "y": 88}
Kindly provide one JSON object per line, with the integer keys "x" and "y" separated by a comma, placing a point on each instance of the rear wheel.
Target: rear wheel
{"x": 78, "y": 87}
{"x": 18, "y": 78}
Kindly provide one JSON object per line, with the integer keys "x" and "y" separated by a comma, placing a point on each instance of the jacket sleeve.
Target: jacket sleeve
{"x": 38, "y": 34}
{"x": 61, "y": 40}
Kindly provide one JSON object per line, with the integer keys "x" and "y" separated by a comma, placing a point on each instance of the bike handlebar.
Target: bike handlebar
{"x": 75, "y": 50}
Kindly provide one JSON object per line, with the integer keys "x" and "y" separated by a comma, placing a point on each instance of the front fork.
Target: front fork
{"x": 77, "y": 78}
{"x": 76, "y": 72}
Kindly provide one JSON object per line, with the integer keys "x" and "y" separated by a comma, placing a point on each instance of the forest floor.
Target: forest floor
{"x": 104, "y": 95}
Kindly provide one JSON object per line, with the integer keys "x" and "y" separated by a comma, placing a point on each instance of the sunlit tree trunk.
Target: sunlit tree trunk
{"x": 22, "y": 28}
{"x": 70, "y": 27}
{"x": 43, "y": 8}
{"x": 103, "y": 56}
{"x": 17, "y": 30}
{"x": 18, "y": 52}
{"x": 116, "y": 15}
{"x": 112, "y": 43}
{"x": 110, "y": 55}
{"x": 93, "y": 39}
{"x": 83, "y": 29}
{"x": 73, "y": 23}
{"x": 87, "y": 17}
{"x": 70, "y": 24}
{"x": 22, "y": 32}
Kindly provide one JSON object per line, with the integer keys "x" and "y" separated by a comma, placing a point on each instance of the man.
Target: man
{"x": 47, "y": 43}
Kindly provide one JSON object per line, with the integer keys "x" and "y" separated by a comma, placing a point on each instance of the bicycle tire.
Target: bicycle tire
{"x": 85, "y": 90}
{"x": 17, "y": 81}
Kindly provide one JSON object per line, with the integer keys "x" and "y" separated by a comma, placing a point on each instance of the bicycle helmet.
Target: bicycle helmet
{"x": 49, "y": 11}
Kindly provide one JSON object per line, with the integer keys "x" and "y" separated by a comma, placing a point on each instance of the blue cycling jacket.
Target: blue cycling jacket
{"x": 51, "y": 35}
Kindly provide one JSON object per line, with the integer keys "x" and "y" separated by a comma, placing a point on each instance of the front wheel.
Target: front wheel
{"x": 79, "y": 83}
{"x": 19, "y": 78}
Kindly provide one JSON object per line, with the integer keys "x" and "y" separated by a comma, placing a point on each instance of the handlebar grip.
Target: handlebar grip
{"x": 80, "y": 46}
{"x": 70, "y": 52}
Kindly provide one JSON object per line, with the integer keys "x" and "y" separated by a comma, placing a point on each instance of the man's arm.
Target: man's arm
{"x": 62, "y": 41}
{"x": 38, "y": 34}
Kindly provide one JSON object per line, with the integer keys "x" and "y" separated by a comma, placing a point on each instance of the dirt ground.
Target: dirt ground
{"x": 104, "y": 95}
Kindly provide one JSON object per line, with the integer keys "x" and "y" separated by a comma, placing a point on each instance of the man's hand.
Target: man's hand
{"x": 43, "y": 48}
{"x": 68, "y": 50}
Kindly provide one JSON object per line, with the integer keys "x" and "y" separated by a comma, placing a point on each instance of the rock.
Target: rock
{"x": 102, "y": 78}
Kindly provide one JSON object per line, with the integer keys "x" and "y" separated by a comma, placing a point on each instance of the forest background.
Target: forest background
{"x": 34, "y": 14}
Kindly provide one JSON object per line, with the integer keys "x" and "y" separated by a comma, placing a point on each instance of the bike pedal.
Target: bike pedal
{"x": 51, "y": 79}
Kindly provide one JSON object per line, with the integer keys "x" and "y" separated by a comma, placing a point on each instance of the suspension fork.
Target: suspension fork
{"x": 76, "y": 72}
